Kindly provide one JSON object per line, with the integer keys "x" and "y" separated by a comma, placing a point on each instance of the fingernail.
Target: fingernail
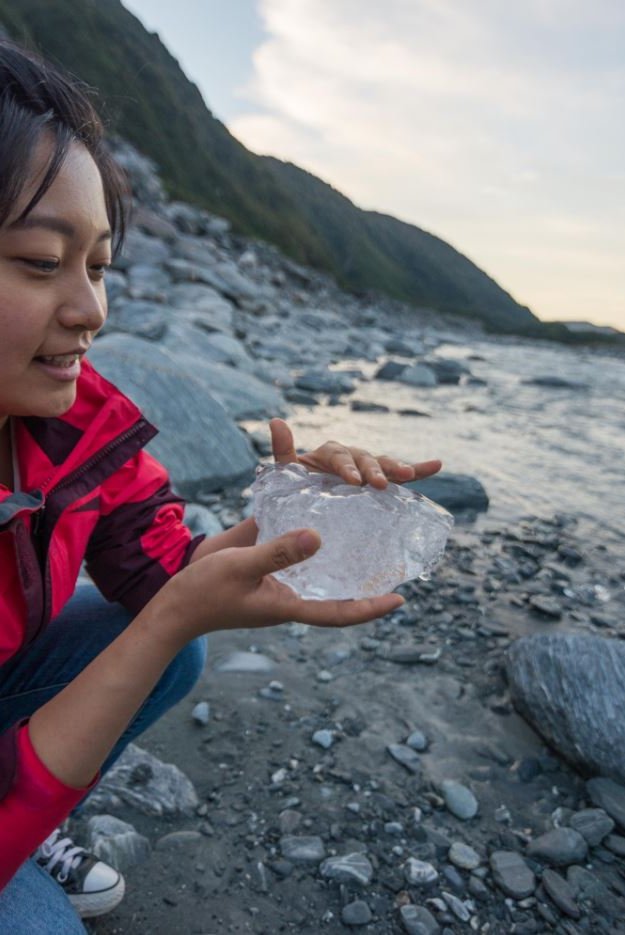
{"x": 307, "y": 542}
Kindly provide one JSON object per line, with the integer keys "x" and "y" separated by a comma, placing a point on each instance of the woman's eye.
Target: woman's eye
{"x": 98, "y": 270}
{"x": 43, "y": 266}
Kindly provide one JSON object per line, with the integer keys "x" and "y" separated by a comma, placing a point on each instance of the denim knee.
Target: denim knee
{"x": 183, "y": 671}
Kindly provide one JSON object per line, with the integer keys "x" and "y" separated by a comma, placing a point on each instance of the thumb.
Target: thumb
{"x": 285, "y": 550}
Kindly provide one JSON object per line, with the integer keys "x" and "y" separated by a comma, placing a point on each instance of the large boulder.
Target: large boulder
{"x": 418, "y": 375}
{"x": 571, "y": 689}
{"x": 458, "y": 493}
{"x": 198, "y": 442}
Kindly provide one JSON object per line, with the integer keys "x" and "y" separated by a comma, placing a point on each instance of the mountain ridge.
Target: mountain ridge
{"x": 148, "y": 99}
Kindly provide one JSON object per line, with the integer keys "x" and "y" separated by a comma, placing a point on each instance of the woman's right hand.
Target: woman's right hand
{"x": 235, "y": 589}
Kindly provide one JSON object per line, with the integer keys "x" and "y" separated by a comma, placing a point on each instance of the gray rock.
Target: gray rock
{"x": 201, "y": 713}
{"x": 145, "y": 183}
{"x": 143, "y": 319}
{"x": 390, "y": 370}
{"x": 116, "y": 842}
{"x": 361, "y": 405}
{"x": 203, "y": 303}
{"x": 464, "y": 856}
{"x": 459, "y": 909}
{"x": 560, "y": 847}
{"x": 459, "y": 800}
{"x": 419, "y": 872}
{"x": 593, "y": 824}
{"x": 559, "y": 891}
{"x": 555, "y": 382}
{"x": 240, "y": 661}
{"x": 323, "y": 738}
{"x": 198, "y": 442}
{"x": 404, "y": 347}
{"x": 571, "y": 689}
{"x": 147, "y": 281}
{"x": 512, "y": 875}
{"x": 406, "y": 756}
{"x": 302, "y": 849}
{"x": 142, "y": 781}
{"x": 200, "y": 519}
{"x": 350, "y": 868}
{"x": 446, "y": 369}
{"x": 418, "y": 741}
{"x": 324, "y": 381}
{"x": 418, "y": 375}
{"x": 546, "y": 605}
{"x": 417, "y": 920}
{"x": 458, "y": 493}
{"x": 141, "y": 248}
{"x": 356, "y": 913}
{"x": 610, "y": 796}
{"x": 616, "y": 844}
{"x": 585, "y": 886}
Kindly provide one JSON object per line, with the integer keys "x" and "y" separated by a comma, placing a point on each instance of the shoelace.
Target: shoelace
{"x": 60, "y": 850}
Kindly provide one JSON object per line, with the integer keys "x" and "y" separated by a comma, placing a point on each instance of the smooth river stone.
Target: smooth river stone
{"x": 371, "y": 540}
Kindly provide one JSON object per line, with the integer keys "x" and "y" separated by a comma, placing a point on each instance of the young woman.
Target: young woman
{"x": 83, "y": 671}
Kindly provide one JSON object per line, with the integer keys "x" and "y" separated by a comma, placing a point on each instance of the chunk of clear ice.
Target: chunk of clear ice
{"x": 371, "y": 540}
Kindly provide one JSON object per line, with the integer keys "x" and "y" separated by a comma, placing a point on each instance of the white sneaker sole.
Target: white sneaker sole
{"x": 90, "y": 905}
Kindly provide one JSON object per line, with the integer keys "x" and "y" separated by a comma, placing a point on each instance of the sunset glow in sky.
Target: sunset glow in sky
{"x": 497, "y": 127}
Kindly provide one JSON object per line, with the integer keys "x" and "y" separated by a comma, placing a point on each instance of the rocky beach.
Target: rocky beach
{"x": 457, "y": 766}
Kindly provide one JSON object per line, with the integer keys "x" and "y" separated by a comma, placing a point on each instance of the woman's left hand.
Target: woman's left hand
{"x": 354, "y": 465}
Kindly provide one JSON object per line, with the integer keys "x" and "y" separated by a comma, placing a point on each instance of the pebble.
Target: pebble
{"x": 289, "y": 820}
{"x": 418, "y": 741}
{"x": 593, "y": 824}
{"x": 356, "y": 913}
{"x": 560, "y": 847}
{"x": 610, "y": 796}
{"x": 324, "y": 676}
{"x": 406, "y": 756}
{"x": 560, "y": 892}
{"x": 512, "y": 874}
{"x": 616, "y": 844}
{"x": 454, "y": 878}
{"x": 351, "y": 868}
{"x": 463, "y": 856}
{"x": 546, "y": 605}
{"x": 201, "y": 713}
{"x": 417, "y": 920}
{"x": 456, "y": 905}
{"x": 459, "y": 800}
{"x": 323, "y": 738}
{"x": 419, "y": 872}
{"x": 240, "y": 661}
{"x": 302, "y": 849}
{"x": 477, "y": 888}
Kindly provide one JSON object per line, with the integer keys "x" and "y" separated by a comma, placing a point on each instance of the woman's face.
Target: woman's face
{"x": 52, "y": 297}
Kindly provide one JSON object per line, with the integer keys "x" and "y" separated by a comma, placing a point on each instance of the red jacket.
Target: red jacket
{"x": 86, "y": 492}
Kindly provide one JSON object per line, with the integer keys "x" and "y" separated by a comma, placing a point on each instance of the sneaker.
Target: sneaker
{"x": 91, "y": 886}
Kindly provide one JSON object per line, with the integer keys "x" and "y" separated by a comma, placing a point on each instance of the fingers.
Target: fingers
{"x": 400, "y": 472}
{"x": 289, "y": 549}
{"x": 346, "y": 613}
{"x": 282, "y": 442}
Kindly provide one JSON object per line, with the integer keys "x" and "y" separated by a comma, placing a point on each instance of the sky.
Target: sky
{"x": 498, "y": 127}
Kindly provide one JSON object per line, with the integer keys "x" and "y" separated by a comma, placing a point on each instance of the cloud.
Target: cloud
{"x": 479, "y": 121}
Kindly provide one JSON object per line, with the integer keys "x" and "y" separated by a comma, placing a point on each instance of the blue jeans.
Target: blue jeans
{"x": 32, "y": 902}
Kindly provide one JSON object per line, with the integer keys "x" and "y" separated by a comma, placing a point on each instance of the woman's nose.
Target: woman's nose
{"x": 84, "y": 306}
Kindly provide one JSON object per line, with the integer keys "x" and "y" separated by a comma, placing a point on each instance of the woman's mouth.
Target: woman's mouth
{"x": 60, "y": 366}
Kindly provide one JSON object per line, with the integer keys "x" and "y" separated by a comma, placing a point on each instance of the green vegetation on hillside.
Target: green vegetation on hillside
{"x": 147, "y": 99}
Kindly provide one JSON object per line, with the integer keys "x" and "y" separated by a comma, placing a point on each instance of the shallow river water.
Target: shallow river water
{"x": 536, "y": 449}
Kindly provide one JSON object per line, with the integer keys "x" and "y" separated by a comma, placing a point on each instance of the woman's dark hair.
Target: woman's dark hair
{"x": 36, "y": 99}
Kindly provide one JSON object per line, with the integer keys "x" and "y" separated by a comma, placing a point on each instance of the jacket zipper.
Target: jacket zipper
{"x": 90, "y": 463}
